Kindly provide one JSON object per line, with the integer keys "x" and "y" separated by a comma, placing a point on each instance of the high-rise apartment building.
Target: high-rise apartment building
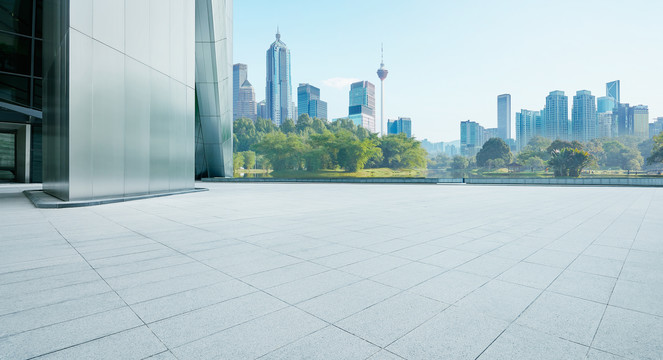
{"x": 278, "y": 92}
{"x": 244, "y": 96}
{"x": 526, "y": 126}
{"x": 261, "y": 110}
{"x": 604, "y": 125}
{"x": 556, "y": 120}
{"x": 621, "y": 119}
{"x": 362, "y": 105}
{"x": 613, "y": 90}
{"x": 638, "y": 118}
{"x": 504, "y": 116}
{"x": 583, "y": 118}
{"x": 402, "y": 125}
{"x": 471, "y": 137}
{"x": 308, "y": 102}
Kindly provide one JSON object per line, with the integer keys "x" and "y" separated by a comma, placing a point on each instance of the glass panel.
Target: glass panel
{"x": 36, "y": 100}
{"x": 16, "y": 16}
{"x": 7, "y": 150}
{"x": 39, "y": 18}
{"x": 38, "y": 63}
{"x": 15, "y": 53}
{"x": 15, "y": 89}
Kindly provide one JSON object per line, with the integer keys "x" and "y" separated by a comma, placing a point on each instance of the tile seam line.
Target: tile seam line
{"x": 605, "y": 309}
{"x": 566, "y": 268}
{"x": 109, "y": 286}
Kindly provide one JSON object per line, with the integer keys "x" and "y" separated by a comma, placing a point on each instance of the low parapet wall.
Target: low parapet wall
{"x": 340, "y": 180}
{"x": 579, "y": 182}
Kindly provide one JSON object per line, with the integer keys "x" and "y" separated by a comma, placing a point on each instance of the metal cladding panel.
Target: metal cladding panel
{"x": 80, "y": 114}
{"x": 107, "y": 122}
{"x": 56, "y": 104}
{"x": 137, "y": 33}
{"x": 108, "y": 23}
{"x": 131, "y": 125}
{"x": 214, "y": 84}
{"x": 136, "y": 128}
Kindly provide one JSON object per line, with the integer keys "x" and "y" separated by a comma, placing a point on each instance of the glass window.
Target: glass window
{"x": 38, "y": 51}
{"x": 39, "y": 16}
{"x": 7, "y": 150}
{"x": 16, "y": 16}
{"x": 15, "y": 89}
{"x": 15, "y": 53}
{"x": 36, "y": 99}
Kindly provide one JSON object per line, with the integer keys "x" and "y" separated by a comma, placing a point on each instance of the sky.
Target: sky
{"x": 448, "y": 60}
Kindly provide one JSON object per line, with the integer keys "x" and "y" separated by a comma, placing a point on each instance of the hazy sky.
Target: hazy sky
{"x": 448, "y": 60}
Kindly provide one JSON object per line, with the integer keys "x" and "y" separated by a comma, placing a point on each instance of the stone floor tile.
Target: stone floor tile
{"x": 450, "y": 286}
{"x": 630, "y": 334}
{"x": 518, "y": 342}
{"x": 533, "y": 275}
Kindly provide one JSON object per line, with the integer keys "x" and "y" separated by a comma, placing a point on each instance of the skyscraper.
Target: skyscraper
{"x": 638, "y": 118}
{"x": 278, "y": 92}
{"x": 556, "y": 120}
{"x": 526, "y": 121}
{"x": 362, "y": 105}
{"x": 613, "y": 89}
{"x": 584, "y": 122}
{"x": 308, "y": 102}
{"x": 656, "y": 127}
{"x": 471, "y": 137}
{"x": 261, "y": 110}
{"x": 244, "y": 97}
{"x": 606, "y": 104}
{"x": 402, "y": 125}
{"x": 604, "y": 123}
{"x": 382, "y": 74}
{"x": 504, "y": 116}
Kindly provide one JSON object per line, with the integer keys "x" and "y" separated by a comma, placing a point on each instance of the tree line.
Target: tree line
{"x": 564, "y": 158}
{"x": 314, "y": 144}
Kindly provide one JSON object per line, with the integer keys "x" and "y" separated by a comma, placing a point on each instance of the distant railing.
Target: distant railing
{"x": 579, "y": 181}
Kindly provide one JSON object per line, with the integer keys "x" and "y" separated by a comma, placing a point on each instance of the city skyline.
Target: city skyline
{"x": 442, "y": 85}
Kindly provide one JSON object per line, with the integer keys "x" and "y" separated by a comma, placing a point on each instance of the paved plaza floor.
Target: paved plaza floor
{"x": 337, "y": 271}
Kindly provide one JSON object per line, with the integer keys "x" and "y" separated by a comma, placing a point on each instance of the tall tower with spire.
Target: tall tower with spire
{"x": 382, "y": 74}
{"x": 278, "y": 90}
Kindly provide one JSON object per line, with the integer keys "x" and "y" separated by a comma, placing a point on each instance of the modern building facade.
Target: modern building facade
{"x": 621, "y": 118}
{"x": 638, "y": 117}
{"x": 526, "y": 126}
{"x": 605, "y": 104}
{"x": 403, "y": 125}
{"x": 604, "y": 123}
{"x": 583, "y": 118}
{"x": 471, "y": 137}
{"x": 613, "y": 90}
{"x": 308, "y": 102}
{"x": 244, "y": 96}
{"x": 504, "y": 116}
{"x": 362, "y": 105}
{"x": 278, "y": 92}
{"x": 129, "y": 106}
{"x": 21, "y": 83}
{"x": 556, "y": 120}
{"x": 261, "y": 110}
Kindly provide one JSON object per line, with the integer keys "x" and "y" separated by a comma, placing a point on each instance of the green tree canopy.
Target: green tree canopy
{"x": 304, "y": 122}
{"x": 288, "y": 126}
{"x": 494, "y": 149}
{"x": 401, "y": 152}
{"x": 561, "y": 144}
{"x": 569, "y": 162}
{"x": 657, "y": 152}
{"x": 619, "y": 155}
{"x": 284, "y": 152}
{"x": 245, "y": 134}
{"x": 265, "y": 126}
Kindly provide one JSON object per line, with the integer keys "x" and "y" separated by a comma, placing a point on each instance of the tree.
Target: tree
{"x": 283, "y": 151}
{"x": 265, "y": 126}
{"x": 561, "y": 144}
{"x": 569, "y": 162}
{"x": 439, "y": 161}
{"x": 304, "y": 122}
{"x": 319, "y": 125}
{"x": 249, "y": 159}
{"x": 657, "y": 152}
{"x": 401, "y": 152}
{"x": 245, "y": 134}
{"x": 494, "y": 149}
{"x": 238, "y": 161}
{"x": 538, "y": 144}
{"x": 459, "y": 163}
{"x": 288, "y": 126}
{"x": 619, "y": 155}
{"x": 535, "y": 163}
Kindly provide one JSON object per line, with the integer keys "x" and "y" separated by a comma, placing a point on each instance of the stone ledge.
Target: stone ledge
{"x": 42, "y": 200}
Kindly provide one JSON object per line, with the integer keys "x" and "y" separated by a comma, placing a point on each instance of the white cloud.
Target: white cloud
{"x": 339, "y": 83}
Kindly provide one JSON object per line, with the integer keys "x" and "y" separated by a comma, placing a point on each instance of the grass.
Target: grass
{"x": 365, "y": 173}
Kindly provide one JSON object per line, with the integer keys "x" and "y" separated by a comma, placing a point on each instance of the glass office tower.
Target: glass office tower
{"x": 21, "y": 90}
{"x": 308, "y": 102}
{"x": 613, "y": 90}
{"x": 362, "y": 105}
{"x": 401, "y": 126}
{"x": 583, "y": 117}
{"x": 556, "y": 120}
{"x": 278, "y": 92}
